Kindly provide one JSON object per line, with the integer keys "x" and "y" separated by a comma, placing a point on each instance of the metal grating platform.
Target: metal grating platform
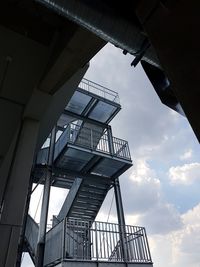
{"x": 88, "y": 151}
{"x": 94, "y": 101}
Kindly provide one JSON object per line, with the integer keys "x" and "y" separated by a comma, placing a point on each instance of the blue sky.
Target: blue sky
{"x": 161, "y": 190}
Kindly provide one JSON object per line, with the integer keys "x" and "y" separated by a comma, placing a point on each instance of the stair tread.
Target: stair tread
{"x": 98, "y": 186}
{"x": 94, "y": 189}
{"x": 85, "y": 206}
{"x": 81, "y": 211}
{"x": 90, "y": 196}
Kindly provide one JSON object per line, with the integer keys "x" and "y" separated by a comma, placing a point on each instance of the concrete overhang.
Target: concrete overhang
{"x": 43, "y": 57}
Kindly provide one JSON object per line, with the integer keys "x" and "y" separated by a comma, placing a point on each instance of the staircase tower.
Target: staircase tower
{"x": 82, "y": 155}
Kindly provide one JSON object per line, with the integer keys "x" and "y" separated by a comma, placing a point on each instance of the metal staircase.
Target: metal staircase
{"x": 84, "y": 199}
{"x": 87, "y": 159}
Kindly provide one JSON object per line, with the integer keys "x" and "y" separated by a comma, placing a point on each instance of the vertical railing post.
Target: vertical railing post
{"x": 96, "y": 241}
{"x": 91, "y": 139}
{"x": 121, "y": 220}
{"x": 68, "y": 132}
{"x": 89, "y": 241}
{"x": 147, "y": 243}
{"x": 63, "y": 239}
{"x": 45, "y": 203}
{"x": 110, "y": 140}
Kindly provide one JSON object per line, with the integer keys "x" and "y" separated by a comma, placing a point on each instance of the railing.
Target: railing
{"x": 31, "y": 233}
{"x": 99, "y": 90}
{"x": 121, "y": 148}
{"x": 97, "y": 241}
{"x": 96, "y": 140}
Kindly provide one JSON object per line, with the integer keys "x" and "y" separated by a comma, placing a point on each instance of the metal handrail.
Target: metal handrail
{"x": 96, "y": 140}
{"x": 88, "y": 138}
{"x": 99, "y": 90}
{"x": 101, "y": 241}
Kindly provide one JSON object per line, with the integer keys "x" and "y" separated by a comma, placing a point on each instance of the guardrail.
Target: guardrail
{"x": 97, "y": 241}
{"x": 88, "y": 138}
{"x": 98, "y": 140}
{"x": 99, "y": 90}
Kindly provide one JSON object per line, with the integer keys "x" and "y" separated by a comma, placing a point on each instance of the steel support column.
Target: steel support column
{"x": 121, "y": 219}
{"x": 45, "y": 203}
{"x": 110, "y": 140}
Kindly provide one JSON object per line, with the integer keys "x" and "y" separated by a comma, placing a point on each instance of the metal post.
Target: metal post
{"x": 121, "y": 219}
{"x": 45, "y": 203}
{"x": 96, "y": 241}
{"x": 110, "y": 140}
{"x": 52, "y": 146}
{"x": 91, "y": 139}
{"x": 63, "y": 238}
{"x": 88, "y": 236}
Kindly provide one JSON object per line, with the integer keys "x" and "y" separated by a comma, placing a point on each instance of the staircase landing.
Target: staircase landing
{"x": 68, "y": 263}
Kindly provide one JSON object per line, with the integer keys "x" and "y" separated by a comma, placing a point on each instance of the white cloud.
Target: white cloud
{"x": 142, "y": 171}
{"x": 186, "y": 155}
{"x": 179, "y": 248}
{"x": 144, "y": 201}
{"x": 141, "y": 190}
{"x": 162, "y": 251}
{"x": 161, "y": 219}
{"x": 192, "y": 216}
{"x": 185, "y": 174}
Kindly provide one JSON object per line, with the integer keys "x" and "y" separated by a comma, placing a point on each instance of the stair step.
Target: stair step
{"x": 93, "y": 189}
{"x": 102, "y": 186}
{"x": 90, "y": 195}
{"x": 89, "y": 200}
{"x": 86, "y": 205}
{"x": 81, "y": 211}
{"x": 82, "y": 216}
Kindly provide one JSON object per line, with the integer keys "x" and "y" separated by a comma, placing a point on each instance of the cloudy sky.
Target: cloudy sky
{"x": 161, "y": 190}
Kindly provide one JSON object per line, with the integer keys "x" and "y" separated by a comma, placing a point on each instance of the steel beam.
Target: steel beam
{"x": 121, "y": 219}
{"x": 45, "y": 203}
{"x": 110, "y": 140}
{"x": 85, "y": 119}
{"x": 70, "y": 199}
